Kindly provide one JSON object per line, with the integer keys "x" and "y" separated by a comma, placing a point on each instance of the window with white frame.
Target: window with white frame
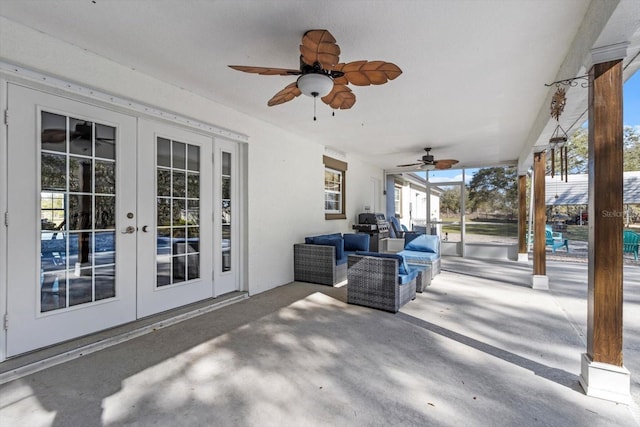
{"x": 334, "y": 188}
{"x": 397, "y": 201}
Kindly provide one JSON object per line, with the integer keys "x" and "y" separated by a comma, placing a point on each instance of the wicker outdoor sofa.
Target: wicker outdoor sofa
{"x": 323, "y": 259}
{"x": 378, "y": 281}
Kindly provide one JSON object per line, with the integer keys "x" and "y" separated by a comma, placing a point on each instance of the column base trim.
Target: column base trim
{"x": 523, "y": 257}
{"x": 540, "y": 282}
{"x": 605, "y": 381}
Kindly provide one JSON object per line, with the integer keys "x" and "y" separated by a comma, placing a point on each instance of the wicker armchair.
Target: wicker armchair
{"x": 374, "y": 282}
{"x": 317, "y": 264}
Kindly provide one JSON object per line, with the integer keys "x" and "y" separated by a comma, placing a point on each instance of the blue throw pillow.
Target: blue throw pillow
{"x": 356, "y": 242}
{"x": 310, "y": 240}
{"x": 423, "y": 243}
{"x": 331, "y": 241}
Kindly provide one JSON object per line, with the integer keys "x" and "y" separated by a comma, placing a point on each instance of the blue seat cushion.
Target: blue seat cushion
{"x": 424, "y": 267}
{"x": 423, "y": 243}
{"x": 406, "y": 278}
{"x": 337, "y": 242}
{"x": 356, "y": 241}
{"x": 419, "y": 255}
{"x": 342, "y": 260}
{"x": 402, "y": 264}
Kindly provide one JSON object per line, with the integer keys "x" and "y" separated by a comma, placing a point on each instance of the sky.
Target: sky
{"x": 631, "y": 101}
{"x": 631, "y": 117}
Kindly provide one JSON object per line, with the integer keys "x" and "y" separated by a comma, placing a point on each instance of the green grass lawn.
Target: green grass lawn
{"x": 573, "y": 232}
{"x": 485, "y": 229}
{"x": 577, "y": 232}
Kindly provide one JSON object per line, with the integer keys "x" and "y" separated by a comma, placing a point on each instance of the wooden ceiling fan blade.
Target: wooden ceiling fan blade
{"x": 340, "y": 80}
{"x": 266, "y": 71}
{"x": 290, "y": 92}
{"x": 447, "y": 161}
{"x": 443, "y": 166}
{"x": 365, "y": 73}
{"x": 320, "y": 46}
{"x": 340, "y": 98}
{"x": 410, "y": 164}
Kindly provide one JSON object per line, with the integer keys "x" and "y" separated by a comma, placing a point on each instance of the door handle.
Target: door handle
{"x": 129, "y": 230}
{"x": 144, "y": 228}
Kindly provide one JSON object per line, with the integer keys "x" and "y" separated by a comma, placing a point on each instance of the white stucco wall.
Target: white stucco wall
{"x": 285, "y": 172}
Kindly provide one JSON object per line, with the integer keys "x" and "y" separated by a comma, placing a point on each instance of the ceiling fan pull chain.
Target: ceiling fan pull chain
{"x": 314, "y": 108}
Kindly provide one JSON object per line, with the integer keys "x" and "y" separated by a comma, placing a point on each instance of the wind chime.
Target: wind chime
{"x": 558, "y": 140}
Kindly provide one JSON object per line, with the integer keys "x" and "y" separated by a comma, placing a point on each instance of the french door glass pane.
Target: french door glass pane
{"x": 225, "y": 182}
{"x": 77, "y": 161}
{"x": 177, "y": 212}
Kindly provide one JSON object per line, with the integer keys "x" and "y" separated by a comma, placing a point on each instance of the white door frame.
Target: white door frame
{"x": 3, "y": 227}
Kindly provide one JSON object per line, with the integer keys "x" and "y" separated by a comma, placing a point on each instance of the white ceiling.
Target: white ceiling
{"x": 473, "y": 71}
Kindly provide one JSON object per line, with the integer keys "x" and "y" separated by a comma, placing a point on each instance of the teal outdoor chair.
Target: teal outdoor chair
{"x": 631, "y": 242}
{"x": 555, "y": 240}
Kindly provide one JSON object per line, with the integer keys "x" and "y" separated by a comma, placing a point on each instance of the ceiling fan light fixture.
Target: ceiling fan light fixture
{"x": 428, "y": 167}
{"x": 315, "y": 84}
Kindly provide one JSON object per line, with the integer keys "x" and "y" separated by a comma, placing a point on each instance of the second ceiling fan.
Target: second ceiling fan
{"x": 322, "y": 75}
{"x": 429, "y": 162}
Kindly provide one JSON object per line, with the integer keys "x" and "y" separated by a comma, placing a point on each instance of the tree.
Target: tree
{"x": 578, "y": 151}
{"x": 631, "y": 149}
{"x": 494, "y": 189}
{"x": 450, "y": 200}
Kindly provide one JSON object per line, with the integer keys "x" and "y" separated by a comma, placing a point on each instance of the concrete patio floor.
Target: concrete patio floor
{"x": 478, "y": 348}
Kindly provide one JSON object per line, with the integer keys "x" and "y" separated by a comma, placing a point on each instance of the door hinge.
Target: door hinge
{"x": 6, "y": 322}
{"x": 6, "y": 117}
{"x": 6, "y": 219}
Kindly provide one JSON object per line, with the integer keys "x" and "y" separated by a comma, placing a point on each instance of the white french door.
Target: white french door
{"x": 111, "y": 218}
{"x": 72, "y": 217}
{"x": 175, "y": 217}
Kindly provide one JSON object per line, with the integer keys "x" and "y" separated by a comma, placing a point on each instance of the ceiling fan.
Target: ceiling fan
{"x": 428, "y": 162}
{"x": 322, "y": 75}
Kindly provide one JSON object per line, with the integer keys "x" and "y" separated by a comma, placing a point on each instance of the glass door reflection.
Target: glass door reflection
{"x": 77, "y": 212}
{"x": 226, "y": 211}
{"x": 178, "y": 212}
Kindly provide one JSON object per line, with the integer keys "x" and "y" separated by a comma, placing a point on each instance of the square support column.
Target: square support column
{"x": 603, "y": 374}
{"x": 523, "y": 256}
{"x": 540, "y": 279}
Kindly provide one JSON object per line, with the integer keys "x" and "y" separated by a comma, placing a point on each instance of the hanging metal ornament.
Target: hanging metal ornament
{"x": 558, "y": 102}
{"x": 559, "y": 136}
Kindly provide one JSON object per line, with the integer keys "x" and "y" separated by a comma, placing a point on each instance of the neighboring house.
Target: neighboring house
{"x": 409, "y": 201}
{"x": 575, "y": 192}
